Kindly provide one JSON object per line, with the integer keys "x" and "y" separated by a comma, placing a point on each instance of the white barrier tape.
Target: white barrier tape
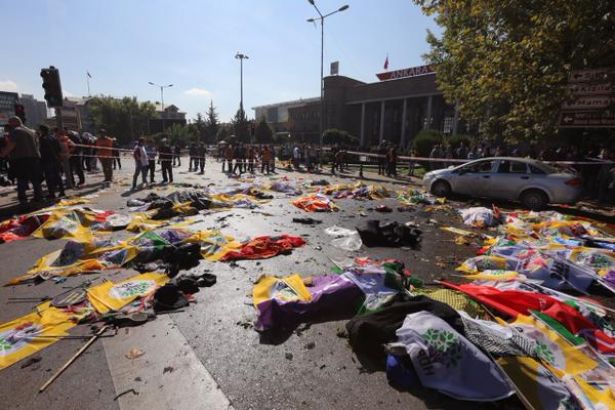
{"x": 403, "y": 157}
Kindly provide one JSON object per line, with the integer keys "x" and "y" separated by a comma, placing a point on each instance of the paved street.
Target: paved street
{"x": 208, "y": 355}
{"x": 216, "y": 331}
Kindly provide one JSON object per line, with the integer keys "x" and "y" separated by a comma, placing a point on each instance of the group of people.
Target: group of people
{"x": 244, "y": 158}
{"x": 146, "y": 155}
{"x": 57, "y": 156}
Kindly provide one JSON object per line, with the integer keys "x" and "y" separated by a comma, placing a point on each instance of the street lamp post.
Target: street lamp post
{"x": 162, "y": 87}
{"x": 322, "y": 52}
{"x": 239, "y": 56}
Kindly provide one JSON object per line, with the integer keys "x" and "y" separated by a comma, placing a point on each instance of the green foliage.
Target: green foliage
{"x": 181, "y": 134}
{"x": 425, "y": 140}
{"x": 455, "y": 141}
{"x": 199, "y": 127}
{"x": 124, "y": 118}
{"x": 212, "y": 125}
{"x": 224, "y": 132}
{"x": 507, "y": 63}
{"x": 263, "y": 134}
{"x": 334, "y": 136}
{"x": 241, "y": 126}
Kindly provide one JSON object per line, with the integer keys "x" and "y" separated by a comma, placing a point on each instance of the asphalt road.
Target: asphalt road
{"x": 212, "y": 343}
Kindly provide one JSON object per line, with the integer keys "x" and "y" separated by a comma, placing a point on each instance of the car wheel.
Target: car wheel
{"x": 534, "y": 199}
{"x": 441, "y": 188}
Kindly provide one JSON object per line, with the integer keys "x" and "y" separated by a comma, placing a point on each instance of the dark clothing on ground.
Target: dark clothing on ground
{"x": 368, "y": 333}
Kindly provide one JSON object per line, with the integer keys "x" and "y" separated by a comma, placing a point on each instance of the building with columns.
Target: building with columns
{"x": 393, "y": 109}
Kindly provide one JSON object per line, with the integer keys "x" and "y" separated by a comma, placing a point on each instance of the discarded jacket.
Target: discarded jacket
{"x": 390, "y": 234}
{"x": 369, "y": 333}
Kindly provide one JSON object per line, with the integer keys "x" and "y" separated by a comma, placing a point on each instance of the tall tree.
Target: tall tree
{"x": 211, "y": 123}
{"x": 241, "y": 126}
{"x": 200, "y": 127}
{"x": 263, "y": 134}
{"x": 124, "y": 118}
{"x": 507, "y": 63}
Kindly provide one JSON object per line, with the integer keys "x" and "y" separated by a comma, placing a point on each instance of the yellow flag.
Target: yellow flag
{"x": 554, "y": 349}
{"x": 109, "y": 296}
{"x": 289, "y": 288}
{"x": 30, "y": 333}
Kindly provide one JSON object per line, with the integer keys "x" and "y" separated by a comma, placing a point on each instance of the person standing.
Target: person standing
{"x": 165, "y": 158}
{"x": 151, "y": 151}
{"x": 116, "y": 155}
{"x": 50, "y": 161}
{"x": 238, "y": 156}
{"x": 192, "y": 153}
{"x": 200, "y": 157}
{"x": 392, "y": 161}
{"x": 251, "y": 154}
{"x": 22, "y": 148}
{"x": 141, "y": 163}
{"x": 104, "y": 145}
{"x": 228, "y": 158}
{"x": 176, "y": 155}
{"x": 265, "y": 159}
{"x": 296, "y": 157}
{"x": 66, "y": 145}
{"x": 382, "y": 152}
{"x": 76, "y": 157}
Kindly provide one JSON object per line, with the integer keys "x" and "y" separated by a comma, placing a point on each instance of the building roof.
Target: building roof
{"x": 291, "y": 103}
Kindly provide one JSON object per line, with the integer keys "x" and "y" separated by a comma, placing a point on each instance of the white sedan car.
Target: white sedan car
{"x": 535, "y": 184}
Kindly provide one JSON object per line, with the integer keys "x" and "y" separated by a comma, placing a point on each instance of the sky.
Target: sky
{"x": 191, "y": 44}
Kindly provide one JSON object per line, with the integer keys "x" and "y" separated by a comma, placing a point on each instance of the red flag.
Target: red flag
{"x": 386, "y": 63}
{"x": 514, "y": 302}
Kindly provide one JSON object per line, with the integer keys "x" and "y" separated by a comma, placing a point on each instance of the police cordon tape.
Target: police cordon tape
{"x": 596, "y": 161}
{"x": 593, "y": 161}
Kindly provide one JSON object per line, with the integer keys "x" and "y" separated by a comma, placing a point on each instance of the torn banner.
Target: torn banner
{"x": 32, "y": 332}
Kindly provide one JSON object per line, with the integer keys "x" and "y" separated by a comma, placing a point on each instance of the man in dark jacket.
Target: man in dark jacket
{"x": 76, "y": 157}
{"x": 166, "y": 158}
{"x": 23, "y": 150}
{"x": 50, "y": 161}
{"x": 200, "y": 159}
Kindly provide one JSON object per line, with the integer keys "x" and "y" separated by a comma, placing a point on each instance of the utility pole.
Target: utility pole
{"x": 322, "y": 56}
{"x": 239, "y": 56}
{"x": 162, "y": 87}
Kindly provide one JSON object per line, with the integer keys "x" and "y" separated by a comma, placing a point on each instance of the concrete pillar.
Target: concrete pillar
{"x": 428, "y": 116}
{"x": 381, "y": 121}
{"x": 402, "y": 140}
{"x": 363, "y": 124}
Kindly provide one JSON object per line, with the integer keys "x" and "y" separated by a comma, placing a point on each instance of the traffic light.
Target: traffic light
{"x": 52, "y": 86}
{"x": 20, "y": 111}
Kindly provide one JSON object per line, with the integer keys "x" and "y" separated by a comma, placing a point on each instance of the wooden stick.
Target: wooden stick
{"x": 73, "y": 358}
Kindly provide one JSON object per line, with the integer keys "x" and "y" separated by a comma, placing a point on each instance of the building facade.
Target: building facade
{"x": 393, "y": 109}
{"x": 279, "y": 116}
{"x": 7, "y": 106}
{"x": 166, "y": 118}
{"x": 36, "y": 111}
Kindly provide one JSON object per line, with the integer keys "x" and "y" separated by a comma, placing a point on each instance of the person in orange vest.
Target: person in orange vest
{"x": 104, "y": 145}
{"x": 266, "y": 156}
{"x": 66, "y": 148}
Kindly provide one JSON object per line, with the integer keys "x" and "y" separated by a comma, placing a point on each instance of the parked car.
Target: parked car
{"x": 533, "y": 183}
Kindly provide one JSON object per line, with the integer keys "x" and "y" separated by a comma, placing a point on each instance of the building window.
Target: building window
{"x": 448, "y": 125}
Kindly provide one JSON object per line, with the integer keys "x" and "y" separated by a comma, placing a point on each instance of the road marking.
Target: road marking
{"x": 168, "y": 376}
